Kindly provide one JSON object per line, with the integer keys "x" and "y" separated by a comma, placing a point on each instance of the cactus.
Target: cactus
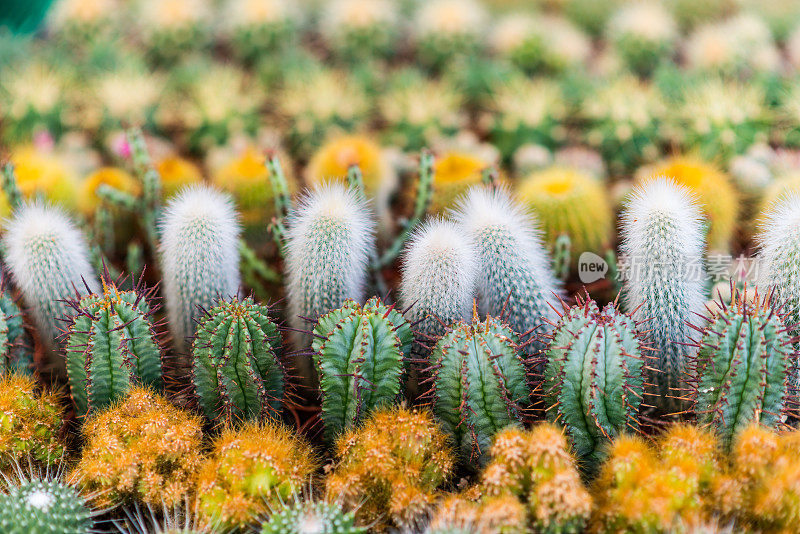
{"x": 444, "y": 29}
{"x": 30, "y": 424}
{"x": 746, "y": 366}
{"x": 320, "y": 516}
{"x": 49, "y": 260}
{"x": 439, "y": 281}
{"x": 390, "y": 467}
{"x": 16, "y": 351}
{"x": 199, "y": 255}
{"x": 111, "y": 346}
{"x": 42, "y": 506}
{"x": 779, "y": 252}
{"x": 259, "y": 27}
{"x": 359, "y": 354}
{"x": 594, "y": 382}
{"x": 359, "y": 31}
{"x": 662, "y": 244}
{"x": 176, "y": 174}
{"x": 140, "y": 448}
{"x": 251, "y": 470}
{"x": 536, "y": 468}
{"x": 329, "y": 242}
{"x": 569, "y": 201}
{"x": 643, "y": 34}
{"x": 454, "y": 172}
{"x": 480, "y": 384}
{"x": 461, "y": 514}
{"x": 516, "y": 282}
{"x": 236, "y": 370}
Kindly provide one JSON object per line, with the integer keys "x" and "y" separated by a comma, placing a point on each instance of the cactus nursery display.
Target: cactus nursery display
{"x": 419, "y": 266}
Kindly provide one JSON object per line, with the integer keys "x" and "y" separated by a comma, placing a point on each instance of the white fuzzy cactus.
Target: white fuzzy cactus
{"x": 779, "y": 255}
{"x": 440, "y": 273}
{"x": 664, "y": 279}
{"x": 330, "y": 238}
{"x": 49, "y": 260}
{"x": 199, "y": 255}
{"x": 515, "y": 279}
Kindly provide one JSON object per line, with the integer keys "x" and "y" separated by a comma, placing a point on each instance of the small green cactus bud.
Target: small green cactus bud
{"x": 43, "y": 507}
{"x": 480, "y": 384}
{"x": 111, "y": 346}
{"x": 16, "y": 353}
{"x": 359, "y": 353}
{"x": 236, "y": 370}
{"x": 302, "y": 517}
{"x": 745, "y": 366}
{"x": 594, "y": 380}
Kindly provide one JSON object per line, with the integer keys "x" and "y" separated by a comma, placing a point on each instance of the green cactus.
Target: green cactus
{"x": 320, "y": 516}
{"x": 111, "y": 346}
{"x": 359, "y": 354}
{"x": 594, "y": 380}
{"x": 236, "y": 370}
{"x": 480, "y": 384}
{"x": 745, "y": 366}
{"x": 15, "y": 344}
{"x": 43, "y": 506}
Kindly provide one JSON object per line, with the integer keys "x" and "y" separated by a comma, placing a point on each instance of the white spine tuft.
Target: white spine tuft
{"x": 779, "y": 255}
{"x": 199, "y": 255}
{"x": 49, "y": 261}
{"x": 516, "y": 280}
{"x": 440, "y": 273}
{"x": 664, "y": 276}
{"x": 329, "y": 241}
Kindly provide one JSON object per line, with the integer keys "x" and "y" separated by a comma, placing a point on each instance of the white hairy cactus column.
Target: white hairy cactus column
{"x": 199, "y": 255}
{"x": 664, "y": 277}
{"x": 438, "y": 281}
{"x": 516, "y": 281}
{"x": 779, "y": 255}
{"x": 49, "y": 260}
{"x": 329, "y": 240}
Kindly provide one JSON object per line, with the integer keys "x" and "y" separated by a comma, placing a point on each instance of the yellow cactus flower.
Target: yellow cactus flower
{"x": 454, "y": 173}
{"x": 112, "y": 176}
{"x": 177, "y": 172}
{"x": 42, "y": 173}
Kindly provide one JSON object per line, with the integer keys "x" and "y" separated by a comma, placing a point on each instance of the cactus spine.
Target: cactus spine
{"x": 516, "y": 281}
{"x": 111, "y": 346}
{"x": 746, "y": 364}
{"x": 16, "y": 353}
{"x": 320, "y": 516}
{"x": 594, "y": 380}
{"x": 44, "y": 506}
{"x": 236, "y": 370}
{"x": 48, "y": 259}
{"x": 479, "y": 383}
{"x": 662, "y": 241}
{"x": 359, "y": 354}
{"x": 199, "y": 255}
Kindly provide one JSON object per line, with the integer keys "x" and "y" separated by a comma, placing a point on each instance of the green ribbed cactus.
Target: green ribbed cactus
{"x": 594, "y": 380}
{"x": 480, "y": 384}
{"x": 302, "y": 517}
{"x": 111, "y": 346}
{"x": 15, "y": 344}
{"x": 746, "y": 366}
{"x": 236, "y": 370}
{"x": 43, "y": 507}
{"x": 359, "y": 353}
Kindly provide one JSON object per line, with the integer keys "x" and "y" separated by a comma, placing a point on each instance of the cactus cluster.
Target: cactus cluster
{"x": 300, "y": 517}
{"x": 42, "y": 506}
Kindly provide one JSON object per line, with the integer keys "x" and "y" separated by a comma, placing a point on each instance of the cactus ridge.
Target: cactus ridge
{"x": 111, "y": 346}
{"x": 480, "y": 383}
{"x": 745, "y": 366}
{"x": 16, "y": 350}
{"x": 594, "y": 382}
{"x": 359, "y": 353}
{"x": 236, "y": 371}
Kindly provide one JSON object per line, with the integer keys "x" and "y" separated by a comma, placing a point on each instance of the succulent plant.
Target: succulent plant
{"x": 643, "y": 35}
{"x": 250, "y": 470}
{"x": 454, "y": 172}
{"x": 444, "y": 29}
{"x": 142, "y": 448}
{"x": 16, "y": 348}
{"x": 746, "y": 366}
{"x": 462, "y": 514}
{"x": 663, "y": 279}
{"x": 360, "y": 357}
{"x": 199, "y": 255}
{"x": 236, "y": 370}
{"x": 359, "y": 31}
{"x": 517, "y": 282}
{"x": 33, "y": 100}
{"x": 44, "y": 505}
{"x": 111, "y": 346}
{"x": 594, "y": 382}
{"x": 49, "y": 261}
{"x": 172, "y": 28}
{"x": 299, "y": 517}
{"x": 480, "y": 384}
{"x": 390, "y": 467}
{"x": 256, "y": 27}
